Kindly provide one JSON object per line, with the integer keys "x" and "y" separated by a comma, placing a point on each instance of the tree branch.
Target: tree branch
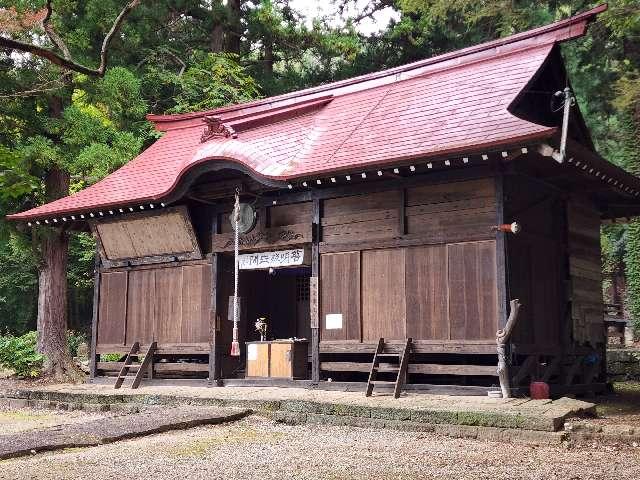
{"x": 53, "y": 36}
{"x": 65, "y": 60}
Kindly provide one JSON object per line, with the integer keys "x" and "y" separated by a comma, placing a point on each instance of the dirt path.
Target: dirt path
{"x": 257, "y": 448}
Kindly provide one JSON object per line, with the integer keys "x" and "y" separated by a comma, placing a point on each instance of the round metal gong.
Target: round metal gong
{"x": 247, "y": 219}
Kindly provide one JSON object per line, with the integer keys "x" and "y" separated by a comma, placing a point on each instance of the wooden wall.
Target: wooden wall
{"x": 536, "y": 263}
{"x": 585, "y": 270}
{"x": 169, "y": 305}
{"x": 417, "y": 263}
{"x": 431, "y": 292}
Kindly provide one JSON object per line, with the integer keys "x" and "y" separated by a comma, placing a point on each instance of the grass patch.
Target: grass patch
{"x": 625, "y": 400}
{"x": 236, "y": 436}
{"x": 23, "y": 416}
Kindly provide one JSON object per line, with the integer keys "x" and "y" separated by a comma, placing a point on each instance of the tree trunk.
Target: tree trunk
{"x": 52, "y": 282}
{"x": 234, "y": 28}
{"x": 217, "y": 38}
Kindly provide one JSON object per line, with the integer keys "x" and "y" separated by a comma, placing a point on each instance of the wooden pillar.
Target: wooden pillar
{"x": 402, "y": 213}
{"x": 314, "y": 293}
{"x": 216, "y": 269}
{"x": 94, "y": 319}
{"x": 501, "y": 253}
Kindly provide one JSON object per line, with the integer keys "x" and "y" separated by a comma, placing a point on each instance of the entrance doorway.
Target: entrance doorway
{"x": 281, "y": 296}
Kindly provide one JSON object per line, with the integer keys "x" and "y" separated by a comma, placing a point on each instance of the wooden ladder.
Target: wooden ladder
{"x": 400, "y": 369}
{"x": 139, "y": 368}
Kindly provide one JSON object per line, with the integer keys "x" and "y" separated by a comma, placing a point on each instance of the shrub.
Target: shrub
{"x": 74, "y": 339}
{"x": 110, "y": 357}
{"x": 20, "y": 355}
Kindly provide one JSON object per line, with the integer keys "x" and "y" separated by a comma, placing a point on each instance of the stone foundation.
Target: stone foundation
{"x": 623, "y": 364}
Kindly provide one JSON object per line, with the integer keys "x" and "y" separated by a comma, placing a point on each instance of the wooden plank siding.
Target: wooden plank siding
{"x": 443, "y": 287}
{"x": 340, "y": 274}
{"x": 585, "y": 270}
{"x": 168, "y": 305}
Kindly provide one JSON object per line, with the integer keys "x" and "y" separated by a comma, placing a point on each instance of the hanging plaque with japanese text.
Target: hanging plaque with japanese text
{"x": 264, "y": 260}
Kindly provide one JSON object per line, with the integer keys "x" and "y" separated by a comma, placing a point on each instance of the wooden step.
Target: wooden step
{"x": 400, "y": 369}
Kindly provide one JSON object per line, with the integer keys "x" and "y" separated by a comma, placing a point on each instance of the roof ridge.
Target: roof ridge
{"x": 587, "y": 16}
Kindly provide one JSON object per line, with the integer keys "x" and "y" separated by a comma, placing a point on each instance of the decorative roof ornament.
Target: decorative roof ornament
{"x": 216, "y": 129}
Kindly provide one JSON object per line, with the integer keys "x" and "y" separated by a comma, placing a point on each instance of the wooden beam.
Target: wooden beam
{"x": 93, "y": 354}
{"x": 419, "y": 346}
{"x": 314, "y": 294}
{"x": 216, "y": 274}
{"x": 501, "y": 253}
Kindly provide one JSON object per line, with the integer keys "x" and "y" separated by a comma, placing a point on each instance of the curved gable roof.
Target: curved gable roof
{"x": 439, "y": 106}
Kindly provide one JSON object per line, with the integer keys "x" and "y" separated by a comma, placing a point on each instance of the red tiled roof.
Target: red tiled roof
{"x": 443, "y": 105}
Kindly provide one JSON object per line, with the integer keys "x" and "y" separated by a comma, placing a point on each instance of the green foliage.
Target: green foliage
{"x": 110, "y": 357}
{"x": 74, "y": 340}
{"x": 19, "y": 354}
{"x": 632, "y": 261}
{"x": 211, "y": 81}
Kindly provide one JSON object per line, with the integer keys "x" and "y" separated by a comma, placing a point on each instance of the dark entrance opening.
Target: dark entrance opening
{"x": 282, "y": 297}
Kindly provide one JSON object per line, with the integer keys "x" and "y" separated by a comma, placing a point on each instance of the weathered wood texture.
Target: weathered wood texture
{"x": 453, "y": 212}
{"x": 167, "y": 305}
{"x": 340, "y": 277}
{"x": 265, "y": 238}
{"x": 535, "y": 263}
{"x": 148, "y": 234}
{"x": 371, "y": 216}
{"x": 437, "y": 292}
{"x": 383, "y": 294}
{"x": 585, "y": 270}
{"x": 443, "y": 288}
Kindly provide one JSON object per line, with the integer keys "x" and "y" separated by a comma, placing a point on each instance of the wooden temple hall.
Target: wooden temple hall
{"x": 386, "y": 226}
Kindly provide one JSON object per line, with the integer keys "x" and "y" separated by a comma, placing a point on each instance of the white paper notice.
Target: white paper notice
{"x": 252, "y": 351}
{"x": 333, "y": 321}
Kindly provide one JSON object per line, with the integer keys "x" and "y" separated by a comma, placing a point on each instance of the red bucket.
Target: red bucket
{"x": 539, "y": 390}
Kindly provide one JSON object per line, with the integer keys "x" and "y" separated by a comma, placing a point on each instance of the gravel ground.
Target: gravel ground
{"x": 259, "y": 448}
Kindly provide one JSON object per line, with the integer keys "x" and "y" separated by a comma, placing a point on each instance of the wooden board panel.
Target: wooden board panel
{"x": 258, "y": 366}
{"x": 196, "y": 303}
{"x": 370, "y": 216}
{"x": 158, "y": 233}
{"x": 358, "y": 204}
{"x": 427, "y": 292}
{"x": 583, "y": 222}
{"x": 451, "y": 192}
{"x": 277, "y": 237}
{"x": 280, "y": 361}
{"x": 141, "y": 306}
{"x": 168, "y": 317}
{"x": 113, "y": 308}
{"x": 383, "y": 294}
{"x": 340, "y": 294}
{"x": 472, "y": 290}
{"x": 293, "y": 214}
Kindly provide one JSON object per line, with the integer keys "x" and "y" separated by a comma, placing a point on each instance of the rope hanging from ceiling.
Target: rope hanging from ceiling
{"x": 235, "y": 345}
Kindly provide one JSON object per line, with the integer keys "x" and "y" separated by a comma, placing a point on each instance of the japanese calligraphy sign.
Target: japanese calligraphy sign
{"x": 281, "y": 258}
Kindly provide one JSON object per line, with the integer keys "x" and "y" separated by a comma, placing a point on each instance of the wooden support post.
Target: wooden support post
{"x": 402, "y": 213}
{"x": 94, "y": 319}
{"x": 314, "y": 294}
{"x": 216, "y": 269}
{"x": 501, "y": 253}
{"x": 502, "y": 339}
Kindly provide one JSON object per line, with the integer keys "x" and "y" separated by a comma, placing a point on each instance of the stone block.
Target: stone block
{"x": 391, "y": 413}
{"x": 343, "y": 409}
{"x": 434, "y": 416}
{"x": 95, "y": 407}
{"x": 18, "y": 403}
{"x": 457, "y": 431}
